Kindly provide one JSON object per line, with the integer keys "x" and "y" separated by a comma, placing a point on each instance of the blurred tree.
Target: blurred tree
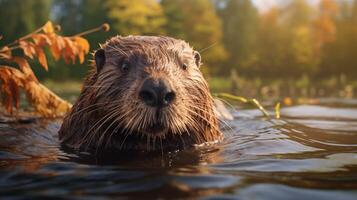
{"x": 197, "y": 22}
{"x": 68, "y": 14}
{"x": 354, "y": 11}
{"x": 18, "y": 17}
{"x": 324, "y": 26}
{"x": 288, "y": 41}
{"x": 339, "y": 57}
{"x": 135, "y": 16}
{"x": 272, "y": 42}
{"x": 301, "y": 58}
{"x": 125, "y": 17}
{"x": 302, "y": 49}
{"x": 325, "y": 31}
{"x": 240, "y": 24}
{"x": 296, "y": 13}
{"x": 175, "y": 18}
{"x": 93, "y": 14}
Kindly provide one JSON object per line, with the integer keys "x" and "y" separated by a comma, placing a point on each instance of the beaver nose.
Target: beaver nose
{"x": 156, "y": 93}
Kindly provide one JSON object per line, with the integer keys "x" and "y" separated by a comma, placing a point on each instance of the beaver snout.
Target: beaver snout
{"x": 157, "y": 93}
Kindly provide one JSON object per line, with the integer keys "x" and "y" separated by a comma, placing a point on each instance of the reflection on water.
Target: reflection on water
{"x": 310, "y": 154}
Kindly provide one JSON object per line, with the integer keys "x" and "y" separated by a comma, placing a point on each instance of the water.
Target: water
{"x": 311, "y": 153}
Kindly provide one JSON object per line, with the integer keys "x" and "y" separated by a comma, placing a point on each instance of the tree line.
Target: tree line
{"x": 290, "y": 40}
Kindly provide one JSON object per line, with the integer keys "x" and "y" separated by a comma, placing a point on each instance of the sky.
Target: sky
{"x": 263, "y": 5}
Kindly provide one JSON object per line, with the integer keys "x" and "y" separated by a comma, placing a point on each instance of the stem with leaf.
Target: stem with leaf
{"x": 253, "y": 102}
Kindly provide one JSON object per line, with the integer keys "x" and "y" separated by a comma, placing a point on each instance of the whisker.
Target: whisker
{"x": 210, "y": 46}
{"x": 220, "y": 120}
{"x": 93, "y": 134}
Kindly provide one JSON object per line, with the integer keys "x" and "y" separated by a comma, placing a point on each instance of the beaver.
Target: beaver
{"x": 143, "y": 93}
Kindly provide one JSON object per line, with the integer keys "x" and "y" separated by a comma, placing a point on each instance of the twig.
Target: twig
{"x": 105, "y": 27}
{"x": 10, "y": 49}
{"x": 25, "y": 37}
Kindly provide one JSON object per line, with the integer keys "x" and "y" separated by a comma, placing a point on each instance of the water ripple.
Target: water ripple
{"x": 311, "y": 153}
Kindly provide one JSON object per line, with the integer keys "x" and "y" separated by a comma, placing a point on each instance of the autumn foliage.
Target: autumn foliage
{"x": 325, "y": 27}
{"x": 16, "y": 74}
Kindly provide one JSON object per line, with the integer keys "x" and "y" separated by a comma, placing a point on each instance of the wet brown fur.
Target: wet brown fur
{"x": 109, "y": 114}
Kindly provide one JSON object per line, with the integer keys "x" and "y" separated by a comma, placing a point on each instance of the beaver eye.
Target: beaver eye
{"x": 184, "y": 66}
{"x": 125, "y": 66}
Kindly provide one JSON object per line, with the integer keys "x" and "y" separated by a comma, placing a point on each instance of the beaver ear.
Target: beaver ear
{"x": 99, "y": 57}
{"x": 197, "y": 58}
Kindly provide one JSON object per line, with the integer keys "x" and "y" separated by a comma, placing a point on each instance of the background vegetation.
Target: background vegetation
{"x": 295, "y": 44}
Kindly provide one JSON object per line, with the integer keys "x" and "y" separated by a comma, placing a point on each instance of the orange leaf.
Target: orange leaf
{"x": 12, "y": 79}
{"x": 15, "y": 90}
{"x": 41, "y": 39}
{"x": 83, "y": 47}
{"x": 48, "y": 27}
{"x": 82, "y": 43}
{"x": 42, "y": 57}
{"x": 56, "y": 52}
{"x": 5, "y": 53}
{"x": 28, "y": 48}
{"x": 56, "y": 46}
{"x": 25, "y": 68}
{"x": 81, "y": 57}
{"x": 60, "y": 42}
{"x": 70, "y": 51}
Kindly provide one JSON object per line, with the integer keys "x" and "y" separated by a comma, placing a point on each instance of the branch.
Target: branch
{"x": 24, "y": 38}
{"x": 13, "y": 45}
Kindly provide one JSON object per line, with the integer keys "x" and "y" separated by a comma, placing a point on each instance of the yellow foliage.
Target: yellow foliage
{"x": 136, "y": 16}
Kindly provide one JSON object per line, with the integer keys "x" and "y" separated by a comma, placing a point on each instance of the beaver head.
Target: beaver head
{"x": 144, "y": 93}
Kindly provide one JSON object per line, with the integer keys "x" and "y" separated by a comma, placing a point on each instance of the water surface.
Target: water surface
{"x": 311, "y": 153}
